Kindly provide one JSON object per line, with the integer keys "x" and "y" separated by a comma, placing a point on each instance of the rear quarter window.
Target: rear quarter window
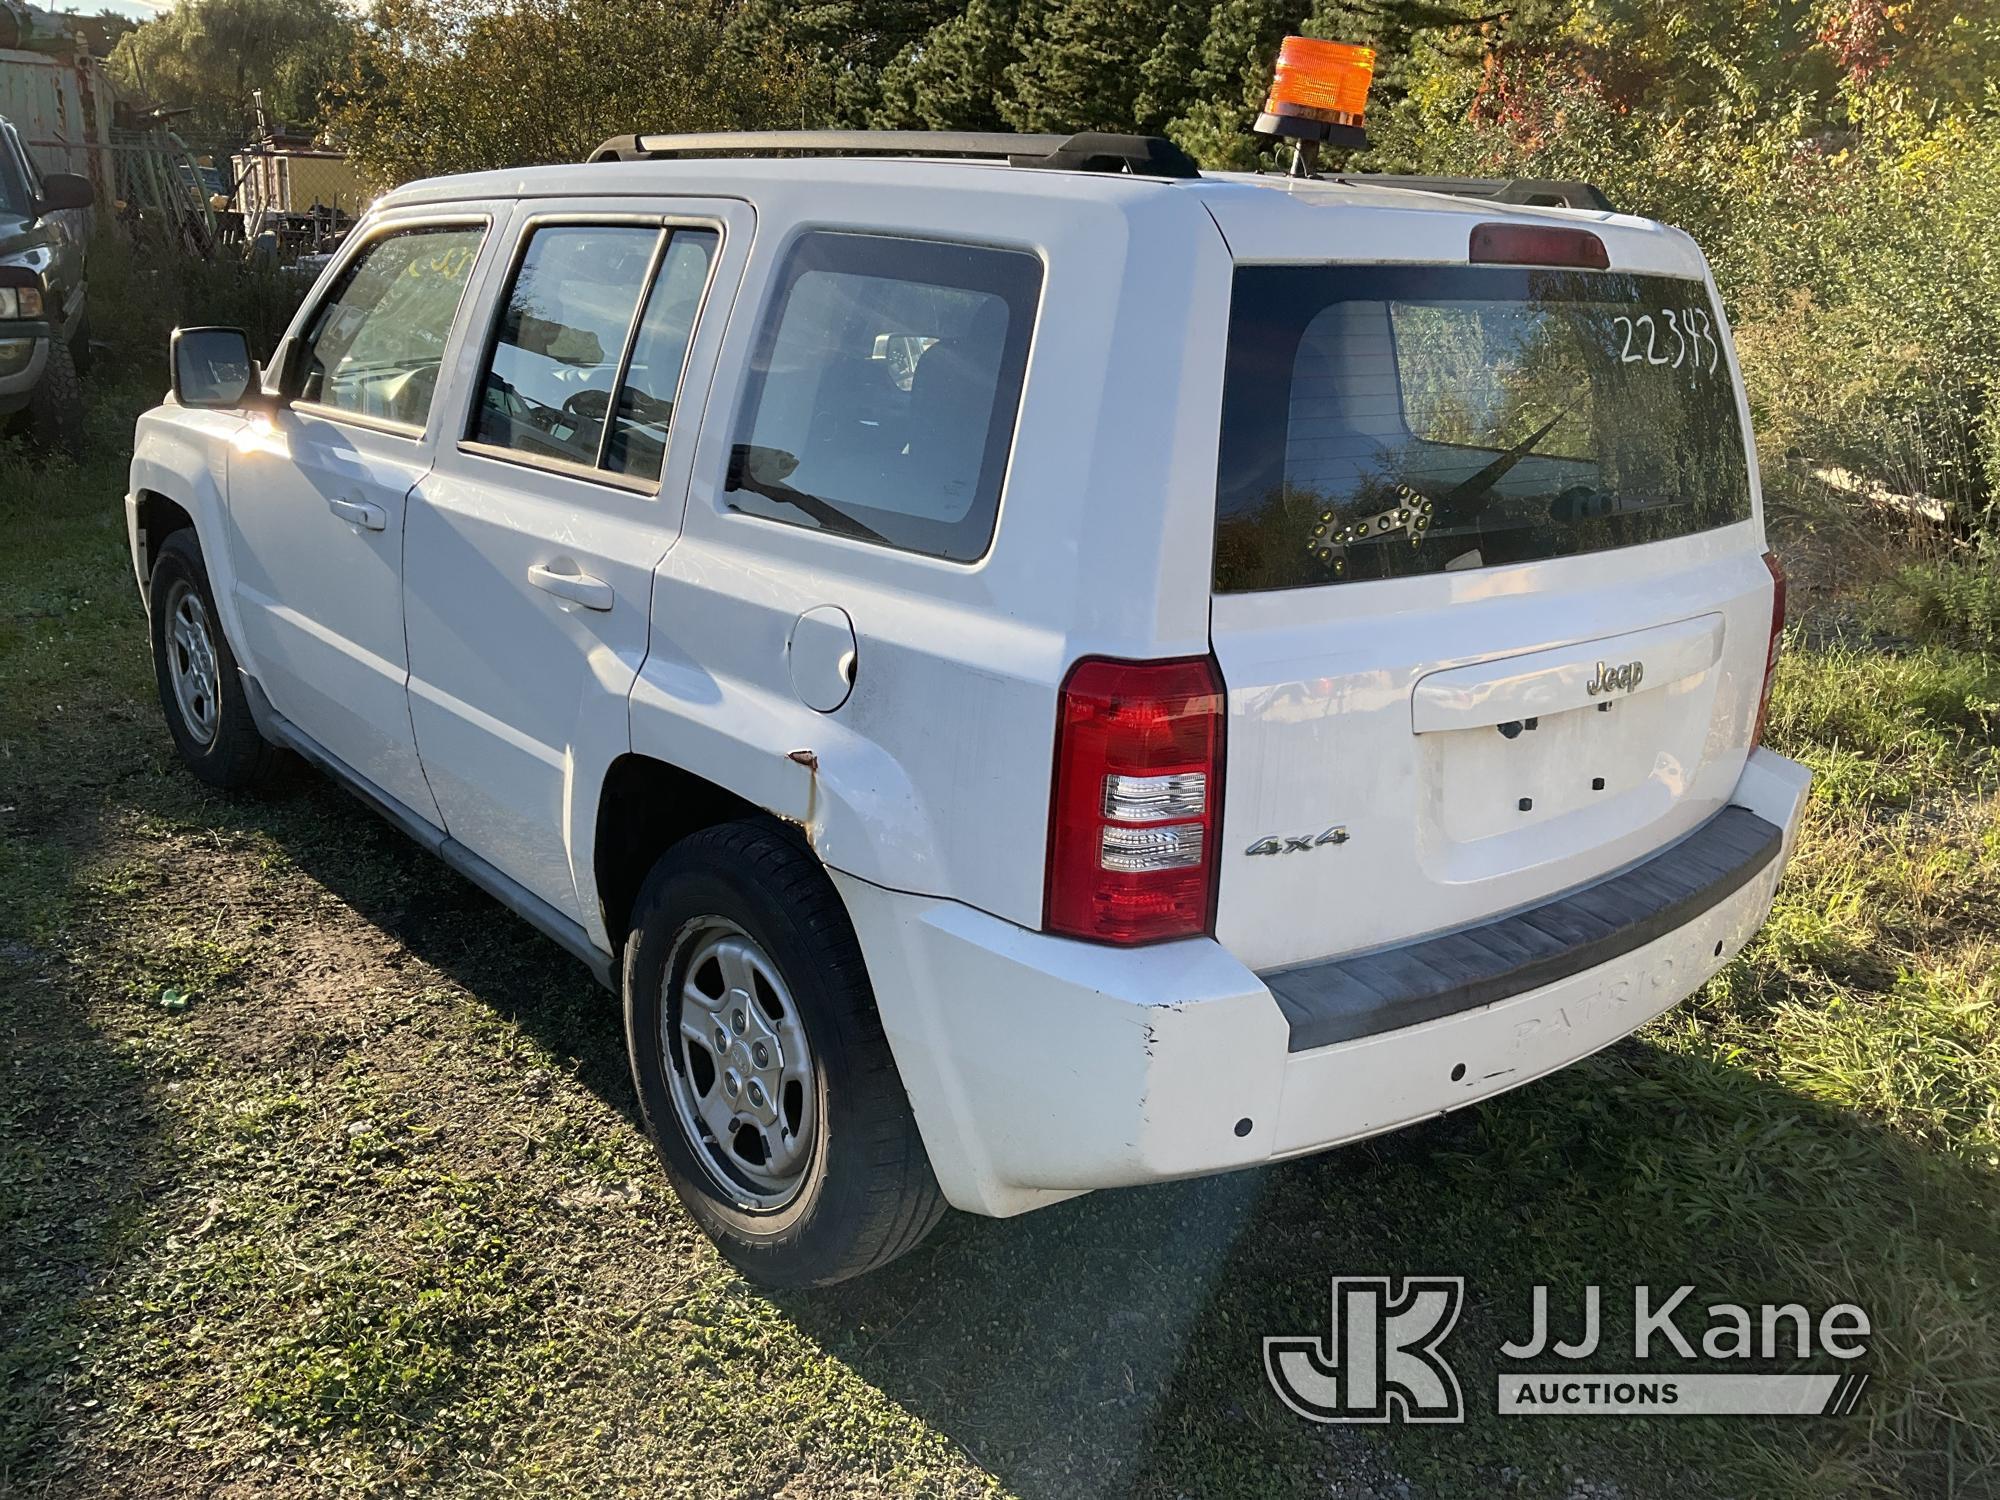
{"x": 884, "y": 389}
{"x": 1387, "y": 421}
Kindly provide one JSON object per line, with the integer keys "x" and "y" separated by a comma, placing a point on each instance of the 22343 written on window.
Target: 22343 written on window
{"x": 1384, "y": 422}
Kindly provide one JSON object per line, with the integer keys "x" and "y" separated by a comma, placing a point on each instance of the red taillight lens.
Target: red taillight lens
{"x": 1137, "y": 801}
{"x": 1777, "y": 643}
{"x": 1536, "y": 245}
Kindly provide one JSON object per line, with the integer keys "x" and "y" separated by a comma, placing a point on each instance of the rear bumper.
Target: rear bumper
{"x": 1040, "y": 1067}
{"x": 1346, "y": 999}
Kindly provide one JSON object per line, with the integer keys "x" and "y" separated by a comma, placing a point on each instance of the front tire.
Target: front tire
{"x": 762, "y": 1070}
{"x": 55, "y": 406}
{"x": 81, "y": 355}
{"x": 201, "y": 691}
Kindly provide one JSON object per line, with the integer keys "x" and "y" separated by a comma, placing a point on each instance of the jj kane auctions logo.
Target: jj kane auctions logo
{"x": 1381, "y": 1358}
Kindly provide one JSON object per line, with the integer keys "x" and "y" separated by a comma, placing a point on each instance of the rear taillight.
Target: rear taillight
{"x": 1137, "y": 800}
{"x": 1536, "y": 245}
{"x": 1777, "y": 644}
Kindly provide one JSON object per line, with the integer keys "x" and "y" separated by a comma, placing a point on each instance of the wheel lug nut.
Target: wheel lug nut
{"x": 762, "y": 1054}
{"x": 721, "y": 1040}
{"x": 756, "y": 1093}
{"x": 736, "y": 1020}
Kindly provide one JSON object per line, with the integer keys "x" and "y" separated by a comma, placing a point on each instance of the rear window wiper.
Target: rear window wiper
{"x": 762, "y": 471}
{"x": 1471, "y": 494}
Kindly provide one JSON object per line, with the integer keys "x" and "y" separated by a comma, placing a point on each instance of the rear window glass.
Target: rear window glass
{"x": 882, "y": 401}
{"x": 1386, "y": 421}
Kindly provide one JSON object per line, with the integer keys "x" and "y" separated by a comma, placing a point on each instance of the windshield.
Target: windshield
{"x": 1386, "y": 421}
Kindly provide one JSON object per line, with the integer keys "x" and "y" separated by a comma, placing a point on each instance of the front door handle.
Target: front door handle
{"x": 361, "y": 513}
{"x": 577, "y": 588}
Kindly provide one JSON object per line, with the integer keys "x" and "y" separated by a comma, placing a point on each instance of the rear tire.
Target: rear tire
{"x": 201, "y": 691}
{"x": 762, "y": 1070}
{"x": 55, "y": 407}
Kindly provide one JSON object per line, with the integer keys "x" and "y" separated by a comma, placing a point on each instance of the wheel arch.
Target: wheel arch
{"x": 179, "y": 468}
{"x": 156, "y": 517}
{"x": 644, "y": 807}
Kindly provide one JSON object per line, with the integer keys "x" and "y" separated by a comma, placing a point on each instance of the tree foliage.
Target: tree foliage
{"x": 208, "y": 56}
{"x": 846, "y": 43}
{"x": 437, "y": 86}
{"x": 956, "y": 79}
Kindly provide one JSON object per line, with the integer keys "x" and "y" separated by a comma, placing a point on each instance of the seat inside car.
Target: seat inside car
{"x": 951, "y": 401}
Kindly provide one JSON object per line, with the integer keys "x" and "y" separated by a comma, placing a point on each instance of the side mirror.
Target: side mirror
{"x": 61, "y": 190}
{"x": 213, "y": 369}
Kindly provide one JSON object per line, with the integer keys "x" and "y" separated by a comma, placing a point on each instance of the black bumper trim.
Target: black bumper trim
{"x": 1344, "y": 999}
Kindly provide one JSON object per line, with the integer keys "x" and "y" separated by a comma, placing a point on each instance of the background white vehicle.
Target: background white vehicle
{"x": 1029, "y": 673}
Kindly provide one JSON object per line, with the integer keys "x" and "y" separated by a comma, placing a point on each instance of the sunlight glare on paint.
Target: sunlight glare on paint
{"x": 259, "y": 431}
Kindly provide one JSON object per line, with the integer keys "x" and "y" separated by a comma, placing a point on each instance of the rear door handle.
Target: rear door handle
{"x": 577, "y": 588}
{"x": 361, "y": 513}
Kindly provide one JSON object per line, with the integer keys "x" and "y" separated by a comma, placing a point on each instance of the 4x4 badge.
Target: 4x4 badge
{"x": 1293, "y": 844}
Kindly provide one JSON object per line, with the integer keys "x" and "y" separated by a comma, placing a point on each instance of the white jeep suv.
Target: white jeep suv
{"x": 1029, "y": 667}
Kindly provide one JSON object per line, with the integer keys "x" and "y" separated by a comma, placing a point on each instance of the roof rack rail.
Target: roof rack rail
{"x": 1532, "y": 192}
{"x": 1091, "y": 151}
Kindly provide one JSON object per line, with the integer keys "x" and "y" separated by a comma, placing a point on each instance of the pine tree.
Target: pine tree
{"x": 1195, "y": 69}
{"x": 1232, "y": 78}
{"x": 1168, "y": 75}
{"x": 953, "y": 78}
{"x": 1091, "y": 64}
{"x": 848, "y": 42}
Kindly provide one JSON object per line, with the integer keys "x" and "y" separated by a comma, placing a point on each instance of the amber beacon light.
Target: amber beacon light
{"x": 1319, "y": 93}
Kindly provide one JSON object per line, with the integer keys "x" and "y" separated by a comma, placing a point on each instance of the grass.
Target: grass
{"x": 1958, "y": 598}
{"x": 319, "y": 1174}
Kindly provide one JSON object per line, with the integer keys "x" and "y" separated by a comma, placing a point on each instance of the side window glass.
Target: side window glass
{"x": 17, "y": 193}
{"x": 659, "y": 353}
{"x": 28, "y": 167}
{"x": 375, "y": 346}
{"x": 884, "y": 389}
{"x": 548, "y": 384}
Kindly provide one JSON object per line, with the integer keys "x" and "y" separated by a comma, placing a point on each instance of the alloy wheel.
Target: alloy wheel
{"x": 740, "y": 1071}
{"x": 192, "y": 666}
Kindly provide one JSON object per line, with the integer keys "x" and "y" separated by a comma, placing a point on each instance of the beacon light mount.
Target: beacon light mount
{"x": 1318, "y": 97}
